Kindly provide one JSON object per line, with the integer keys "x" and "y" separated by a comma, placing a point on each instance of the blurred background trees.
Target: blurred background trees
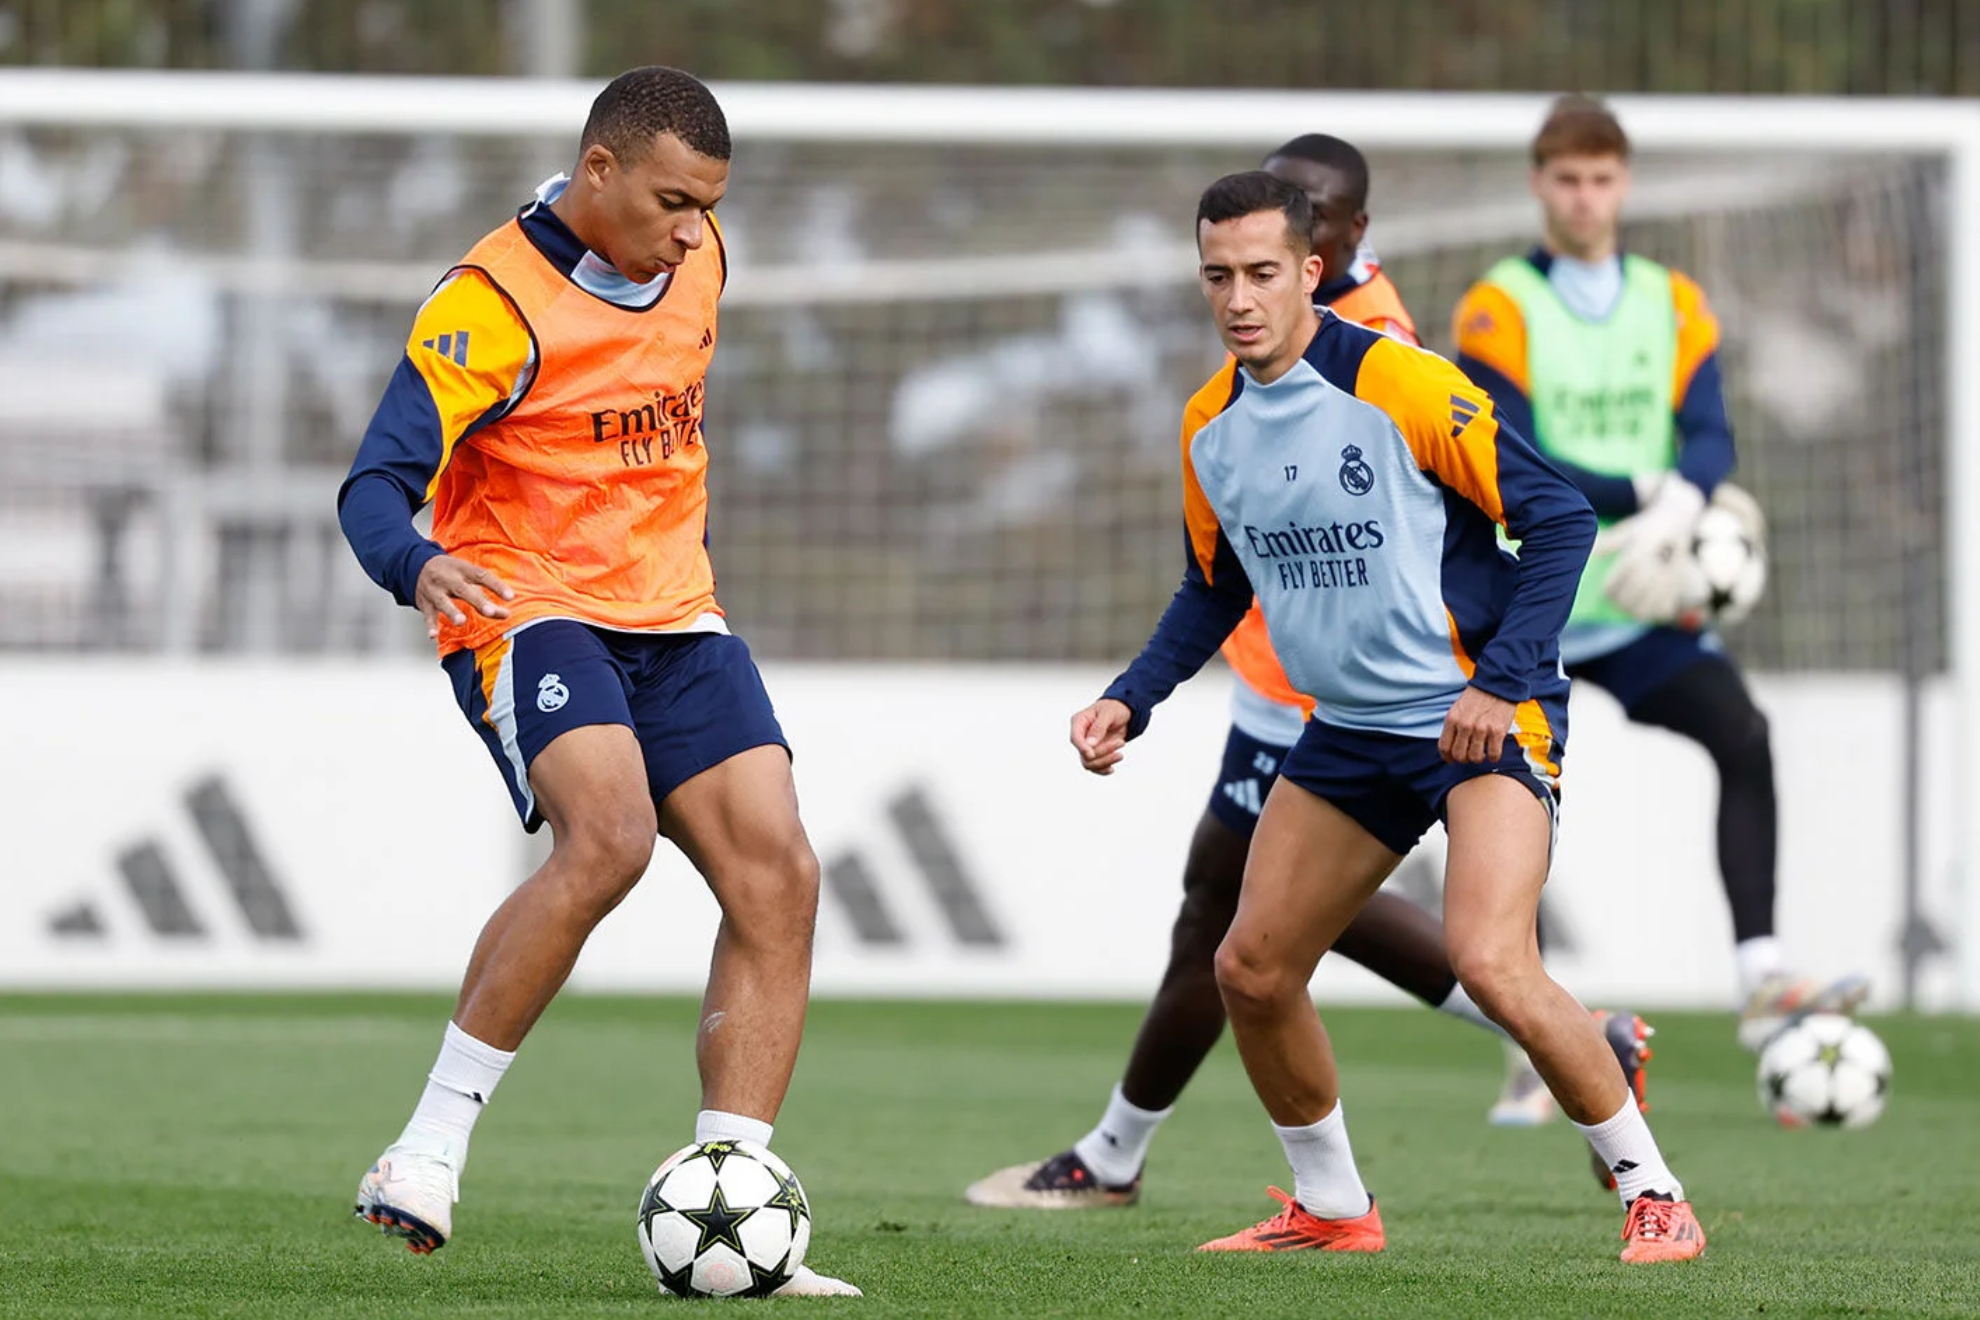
{"x": 1854, "y": 47}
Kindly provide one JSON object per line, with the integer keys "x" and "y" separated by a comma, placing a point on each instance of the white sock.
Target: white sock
{"x": 1757, "y": 959}
{"x": 1458, "y": 1004}
{"x": 1325, "y": 1181}
{"x": 716, "y": 1125}
{"x": 1117, "y": 1148}
{"x": 1626, "y": 1146}
{"x": 462, "y": 1080}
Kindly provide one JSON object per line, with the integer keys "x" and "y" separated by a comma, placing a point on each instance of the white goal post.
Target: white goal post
{"x": 1104, "y": 118}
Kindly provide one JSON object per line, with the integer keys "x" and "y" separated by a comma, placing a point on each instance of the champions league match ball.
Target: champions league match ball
{"x": 1727, "y": 570}
{"x": 1825, "y": 1070}
{"x": 723, "y": 1219}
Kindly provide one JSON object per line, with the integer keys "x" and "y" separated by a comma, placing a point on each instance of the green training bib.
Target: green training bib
{"x": 1601, "y": 390}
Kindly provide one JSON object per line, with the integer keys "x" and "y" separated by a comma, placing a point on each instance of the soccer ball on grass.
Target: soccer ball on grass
{"x": 1825, "y": 1070}
{"x": 723, "y": 1219}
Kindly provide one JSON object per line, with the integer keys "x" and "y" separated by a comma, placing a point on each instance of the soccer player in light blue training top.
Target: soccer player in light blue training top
{"x": 1391, "y": 936}
{"x": 1358, "y": 486}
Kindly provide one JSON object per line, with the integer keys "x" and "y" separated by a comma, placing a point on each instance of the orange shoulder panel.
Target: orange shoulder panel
{"x": 1697, "y": 333}
{"x": 1447, "y": 421}
{"x": 468, "y": 308}
{"x": 1198, "y": 516}
{"x": 1489, "y": 327}
{"x": 1376, "y": 304}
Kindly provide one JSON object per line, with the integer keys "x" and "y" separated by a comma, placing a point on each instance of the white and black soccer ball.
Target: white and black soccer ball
{"x": 723, "y": 1219}
{"x": 1726, "y": 572}
{"x": 1825, "y": 1070}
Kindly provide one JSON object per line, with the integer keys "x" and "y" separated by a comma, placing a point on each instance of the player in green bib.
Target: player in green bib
{"x": 1610, "y": 362}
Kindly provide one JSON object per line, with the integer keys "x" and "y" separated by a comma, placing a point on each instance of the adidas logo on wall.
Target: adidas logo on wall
{"x": 155, "y": 886}
{"x": 849, "y": 882}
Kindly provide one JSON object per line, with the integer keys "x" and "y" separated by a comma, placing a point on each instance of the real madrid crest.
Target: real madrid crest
{"x": 1357, "y": 478}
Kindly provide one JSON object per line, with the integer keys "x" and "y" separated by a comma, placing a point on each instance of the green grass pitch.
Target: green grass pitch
{"x": 195, "y": 1156}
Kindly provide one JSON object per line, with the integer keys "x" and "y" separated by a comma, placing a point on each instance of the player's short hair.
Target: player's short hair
{"x": 1238, "y": 195}
{"x": 1579, "y": 126}
{"x": 1336, "y": 154}
{"x": 640, "y": 104}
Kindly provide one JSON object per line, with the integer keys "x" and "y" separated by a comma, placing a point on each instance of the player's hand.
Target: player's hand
{"x": 1476, "y": 730}
{"x": 1099, "y": 733}
{"x": 444, "y": 580}
{"x": 1651, "y": 547}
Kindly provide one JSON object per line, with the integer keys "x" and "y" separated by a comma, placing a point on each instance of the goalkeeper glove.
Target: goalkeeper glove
{"x": 1652, "y": 546}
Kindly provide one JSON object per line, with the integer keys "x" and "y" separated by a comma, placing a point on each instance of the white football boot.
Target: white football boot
{"x": 1063, "y": 1182}
{"x": 410, "y": 1194}
{"x": 1524, "y": 1100}
{"x": 1782, "y": 999}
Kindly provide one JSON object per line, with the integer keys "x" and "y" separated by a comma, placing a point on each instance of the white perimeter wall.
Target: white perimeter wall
{"x": 379, "y": 816}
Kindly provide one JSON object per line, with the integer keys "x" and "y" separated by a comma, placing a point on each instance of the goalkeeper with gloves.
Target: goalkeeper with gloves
{"x": 1609, "y": 362}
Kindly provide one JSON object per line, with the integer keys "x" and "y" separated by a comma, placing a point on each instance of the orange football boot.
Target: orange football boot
{"x": 1660, "y": 1229}
{"x": 1293, "y": 1229}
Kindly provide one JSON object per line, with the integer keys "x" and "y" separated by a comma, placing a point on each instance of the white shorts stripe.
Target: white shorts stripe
{"x": 502, "y": 718}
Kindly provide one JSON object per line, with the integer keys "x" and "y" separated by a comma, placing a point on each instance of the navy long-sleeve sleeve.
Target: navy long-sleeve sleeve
{"x": 403, "y": 449}
{"x": 1610, "y": 496}
{"x": 376, "y": 513}
{"x": 1203, "y": 612}
{"x": 1500, "y": 471}
{"x": 1555, "y": 528}
{"x": 1705, "y": 456}
{"x": 439, "y": 395}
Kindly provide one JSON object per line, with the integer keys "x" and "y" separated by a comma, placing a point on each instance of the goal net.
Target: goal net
{"x": 943, "y": 416}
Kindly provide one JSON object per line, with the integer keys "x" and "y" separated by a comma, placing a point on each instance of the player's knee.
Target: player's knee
{"x": 1250, "y": 982}
{"x": 1205, "y": 917}
{"x": 798, "y": 885}
{"x": 1498, "y": 976}
{"x": 1212, "y": 879}
{"x": 1746, "y": 749}
{"x": 609, "y": 850}
{"x": 771, "y": 898}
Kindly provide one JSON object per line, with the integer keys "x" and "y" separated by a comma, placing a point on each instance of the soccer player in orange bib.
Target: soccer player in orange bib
{"x": 1357, "y": 488}
{"x": 1391, "y": 936}
{"x": 549, "y": 405}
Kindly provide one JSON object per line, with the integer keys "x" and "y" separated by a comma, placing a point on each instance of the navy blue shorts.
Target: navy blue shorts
{"x": 1394, "y": 787}
{"x": 1250, "y": 769}
{"x": 1632, "y": 672}
{"x": 693, "y": 699}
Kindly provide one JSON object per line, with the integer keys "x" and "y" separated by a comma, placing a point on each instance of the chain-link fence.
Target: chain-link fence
{"x": 969, "y": 453}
